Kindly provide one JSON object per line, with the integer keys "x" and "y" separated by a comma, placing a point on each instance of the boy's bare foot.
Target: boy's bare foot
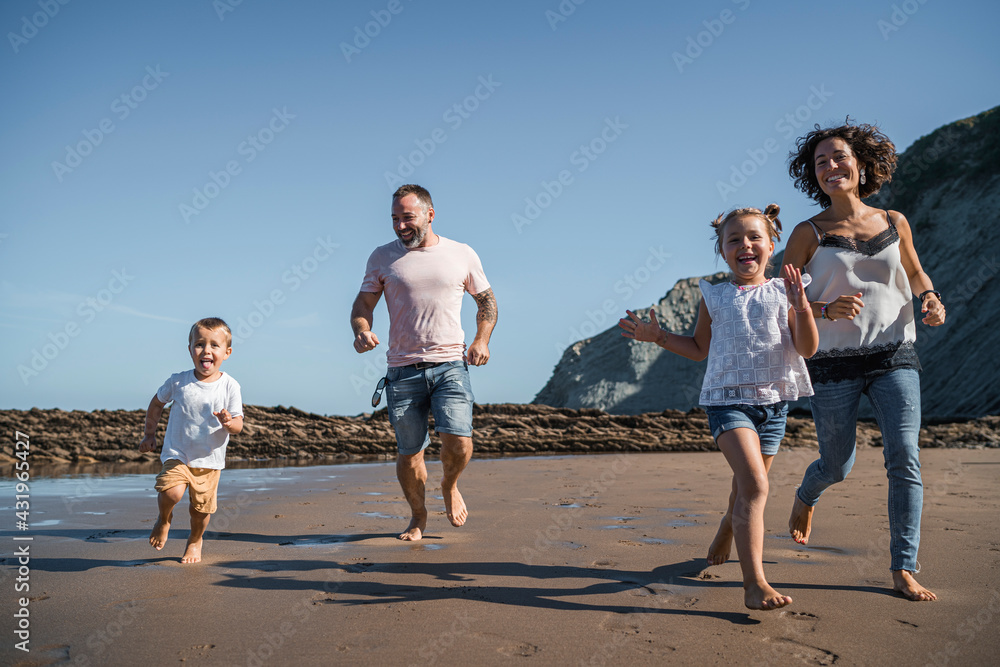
{"x": 718, "y": 551}
{"x": 454, "y": 505}
{"x": 415, "y": 530}
{"x": 158, "y": 537}
{"x": 764, "y": 598}
{"x": 800, "y": 522}
{"x": 904, "y": 583}
{"x": 193, "y": 553}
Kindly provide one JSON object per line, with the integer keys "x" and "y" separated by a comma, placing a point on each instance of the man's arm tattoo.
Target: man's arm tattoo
{"x": 487, "y": 306}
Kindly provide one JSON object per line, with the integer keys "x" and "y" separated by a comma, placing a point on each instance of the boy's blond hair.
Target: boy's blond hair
{"x": 211, "y": 324}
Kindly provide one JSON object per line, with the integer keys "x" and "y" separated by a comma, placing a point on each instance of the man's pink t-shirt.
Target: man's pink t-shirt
{"x": 423, "y": 290}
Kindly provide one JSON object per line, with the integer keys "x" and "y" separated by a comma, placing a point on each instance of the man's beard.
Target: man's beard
{"x": 416, "y": 240}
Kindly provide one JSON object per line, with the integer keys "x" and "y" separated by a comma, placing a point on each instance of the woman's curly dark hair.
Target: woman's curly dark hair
{"x": 875, "y": 153}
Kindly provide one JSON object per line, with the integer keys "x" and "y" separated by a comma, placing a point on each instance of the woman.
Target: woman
{"x": 864, "y": 272}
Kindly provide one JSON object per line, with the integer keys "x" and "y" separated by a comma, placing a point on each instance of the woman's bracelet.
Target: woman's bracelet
{"x": 804, "y": 310}
{"x": 822, "y": 312}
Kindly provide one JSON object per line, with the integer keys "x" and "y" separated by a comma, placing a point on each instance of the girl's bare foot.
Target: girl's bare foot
{"x": 718, "y": 551}
{"x": 904, "y": 583}
{"x": 415, "y": 530}
{"x": 193, "y": 553}
{"x": 158, "y": 537}
{"x": 800, "y": 522}
{"x": 764, "y": 598}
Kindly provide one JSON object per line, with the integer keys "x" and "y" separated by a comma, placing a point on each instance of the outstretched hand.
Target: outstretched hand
{"x": 638, "y": 329}
{"x": 794, "y": 288}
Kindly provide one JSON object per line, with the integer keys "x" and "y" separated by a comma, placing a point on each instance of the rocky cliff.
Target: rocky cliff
{"x": 948, "y": 185}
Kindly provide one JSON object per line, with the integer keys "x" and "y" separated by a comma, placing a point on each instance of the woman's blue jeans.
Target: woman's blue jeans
{"x": 895, "y": 399}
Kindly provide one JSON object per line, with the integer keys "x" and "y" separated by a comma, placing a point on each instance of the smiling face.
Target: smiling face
{"x": 412, "y": 221}
{"x": 837, "y": 169}
{"x": 209, "y": 348}
{"x": 747, "y": 248}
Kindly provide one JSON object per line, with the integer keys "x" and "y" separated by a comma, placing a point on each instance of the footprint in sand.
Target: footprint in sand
{"x": 783, "y": 648}
{"x": 804, "y": 621}
{"x": 664, "y": 595}
{"x": 522, "y": 650}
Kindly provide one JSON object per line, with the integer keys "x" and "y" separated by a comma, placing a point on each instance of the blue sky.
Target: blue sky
{"x": 167, "y": 161}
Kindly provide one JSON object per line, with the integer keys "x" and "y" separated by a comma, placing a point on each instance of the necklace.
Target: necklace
{"x": 747, "y": 287}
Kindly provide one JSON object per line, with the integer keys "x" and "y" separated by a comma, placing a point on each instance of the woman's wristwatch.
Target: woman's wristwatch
{"x": 930, "y": 291}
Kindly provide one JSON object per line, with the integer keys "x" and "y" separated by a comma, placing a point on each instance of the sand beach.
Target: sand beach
{"x": 566, "y": 560}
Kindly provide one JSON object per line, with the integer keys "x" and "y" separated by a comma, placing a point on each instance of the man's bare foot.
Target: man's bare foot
{"x": 415, "y": 530}
{"x": 158, "y": 537}
{"x": 193, "y": 553}
{"x": 904, "y": 583}
{"x": 718, "y": 551}
{"x": 454, "y": 506}
{"x": 764, "y": 598}
{"x": 800, "y": 522}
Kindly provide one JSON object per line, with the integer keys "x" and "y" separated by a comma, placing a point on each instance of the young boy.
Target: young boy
{"x": 207, "y": 409}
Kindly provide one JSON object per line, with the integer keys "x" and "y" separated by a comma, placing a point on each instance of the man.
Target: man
{"x": 424, "y": 277}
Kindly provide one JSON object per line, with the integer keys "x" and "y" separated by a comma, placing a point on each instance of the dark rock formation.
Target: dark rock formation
{"x": 948, "y": 186}
{"x": 290, "y": 436}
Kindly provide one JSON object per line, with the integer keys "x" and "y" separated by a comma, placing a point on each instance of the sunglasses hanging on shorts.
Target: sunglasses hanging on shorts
{"x": 377, "y": 396}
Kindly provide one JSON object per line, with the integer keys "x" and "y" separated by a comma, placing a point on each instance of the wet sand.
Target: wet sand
{"x": 565, "y": 560}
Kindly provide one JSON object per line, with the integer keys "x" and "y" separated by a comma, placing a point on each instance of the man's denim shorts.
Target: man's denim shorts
{"x": 413, "y": 393}
{"x": 767, "y": 420}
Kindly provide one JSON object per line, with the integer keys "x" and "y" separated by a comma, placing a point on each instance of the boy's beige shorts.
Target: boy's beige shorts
{"x": 202, "y": 483}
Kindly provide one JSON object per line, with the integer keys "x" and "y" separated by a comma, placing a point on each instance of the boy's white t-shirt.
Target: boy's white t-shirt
{"x": 194, "y": 435}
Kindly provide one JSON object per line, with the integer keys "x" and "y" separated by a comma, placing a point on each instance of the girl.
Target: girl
{"x": 754, "y": 344}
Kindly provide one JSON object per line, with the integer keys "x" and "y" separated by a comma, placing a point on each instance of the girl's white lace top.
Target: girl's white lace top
{"x": 751, "y": 357}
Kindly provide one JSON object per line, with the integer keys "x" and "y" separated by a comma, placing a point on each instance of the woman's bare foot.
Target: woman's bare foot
{"x": 193, "y": 552}
{"x": 415, "y": 530}
{"x": 764, "y": 598}
{"x": 454, "y": 505}
{"x": 904, "y": 583}
{"x": 718, "y": 551}
{"x": 800, "y": 522}
{"x": 158, "y": 537}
